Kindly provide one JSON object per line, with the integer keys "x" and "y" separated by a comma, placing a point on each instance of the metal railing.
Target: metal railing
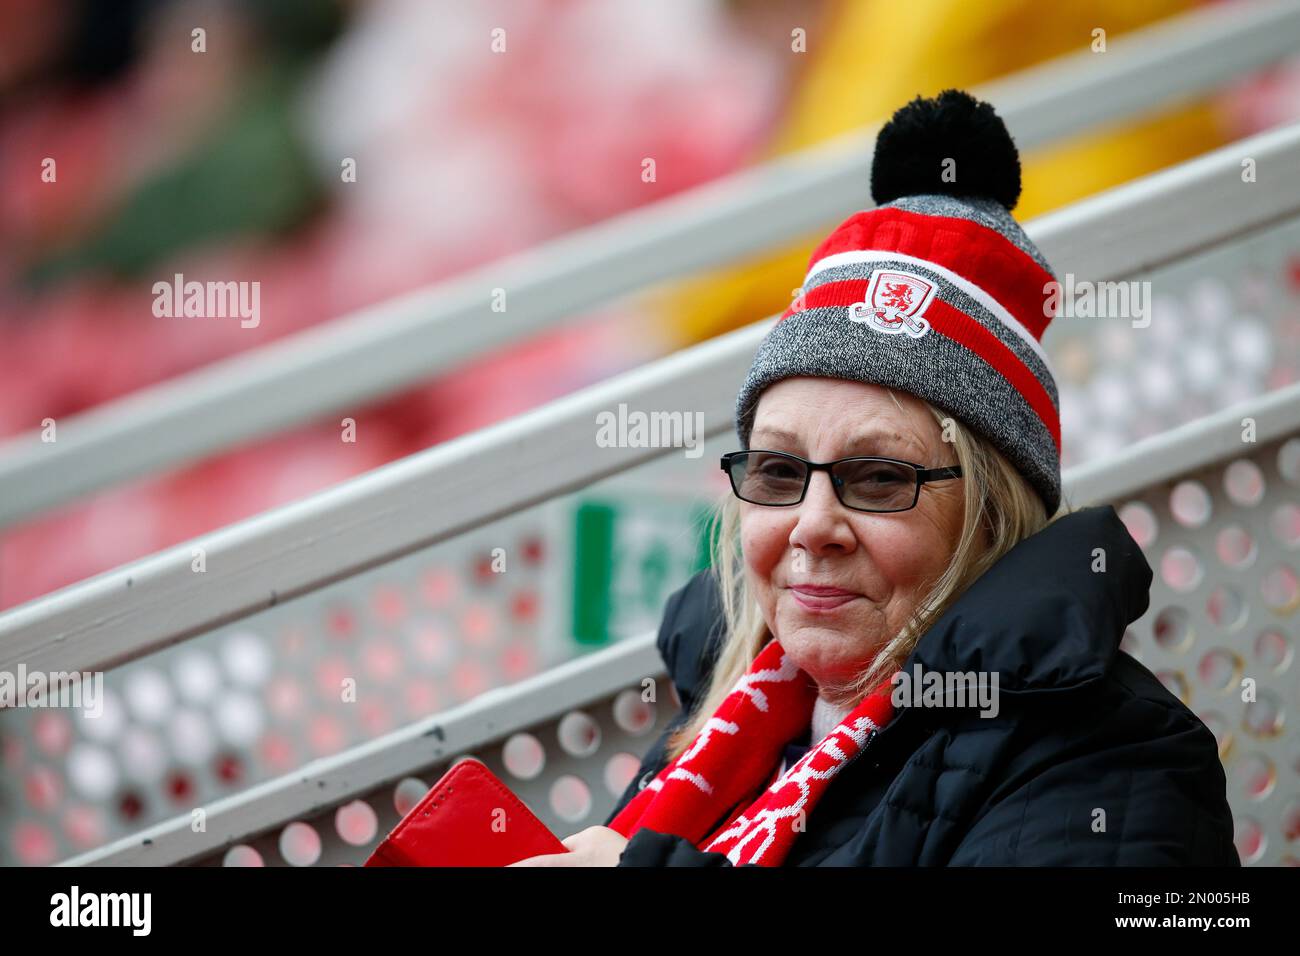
{"x": 382, "y": 349}
{"x": 431, "y": 496}
{"x": 604, "y": 691}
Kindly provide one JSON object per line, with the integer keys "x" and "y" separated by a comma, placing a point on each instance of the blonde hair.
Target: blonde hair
{"x": 998, "y": 500}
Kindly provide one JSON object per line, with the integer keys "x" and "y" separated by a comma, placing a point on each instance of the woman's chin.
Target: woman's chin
{"x": 825, "y": 649}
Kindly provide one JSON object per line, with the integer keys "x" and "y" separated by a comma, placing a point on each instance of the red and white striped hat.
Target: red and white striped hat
{"x": 937, "y": 291}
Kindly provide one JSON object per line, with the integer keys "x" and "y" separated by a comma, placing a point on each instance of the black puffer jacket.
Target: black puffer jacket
{"x": 1089, "y": 761}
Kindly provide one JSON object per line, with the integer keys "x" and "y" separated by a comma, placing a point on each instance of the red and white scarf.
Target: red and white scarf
{"x": 737, "y": 752}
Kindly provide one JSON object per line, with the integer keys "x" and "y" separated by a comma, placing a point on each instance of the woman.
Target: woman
{"x": 913, "y": 659}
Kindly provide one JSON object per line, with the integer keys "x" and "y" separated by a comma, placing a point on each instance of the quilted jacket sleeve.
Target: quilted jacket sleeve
{"x": 1118, "y": 800}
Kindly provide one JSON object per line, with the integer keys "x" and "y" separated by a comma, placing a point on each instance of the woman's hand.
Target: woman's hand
{"x": 594, "y": 846}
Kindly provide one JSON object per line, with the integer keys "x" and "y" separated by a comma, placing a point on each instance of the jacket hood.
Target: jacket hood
{"x": 1041, "y": 618}
{"x": 1049, "y": 615}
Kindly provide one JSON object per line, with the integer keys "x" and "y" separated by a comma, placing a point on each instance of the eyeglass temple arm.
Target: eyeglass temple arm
{"x": 938, "y": 474}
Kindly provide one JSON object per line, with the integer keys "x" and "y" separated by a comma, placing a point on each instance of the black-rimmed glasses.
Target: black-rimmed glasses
{"x": 778, "y": 479}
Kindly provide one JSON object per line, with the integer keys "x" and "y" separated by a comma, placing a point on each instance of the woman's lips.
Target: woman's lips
{"x": 816, "y": 598}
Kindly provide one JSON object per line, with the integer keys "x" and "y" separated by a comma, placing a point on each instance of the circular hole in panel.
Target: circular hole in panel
{"x": 1273, "y": 650}
{"x": 1235, "y": 547}
{"x": 1190, "y": 505}
{"x": 1291, "y": 820}
{"x": 632, "y": 714}
{"x": 1251, "y": 345}
{"x": 1181, "y": 570}
{"x": 478, "y": 625}
{"x": 1158, "y": 384}
{"x": 518, "y": 660}
{"x": 578, "y": 734}
{"x": 1244, "y": 483}
{"x": 33, "y": 844}
{"x": 239, "y": 719}
{"x": 619, "y": 771}
{"x": 228, "y": 768}
{"x": 356, "y": 823}
{"x": 1288, "y": 461}
{"x": 1263, "y": 716}
{"x": 284, "y": 696}
{"x": 1141, "y": 523}
{"x": 420, "y": 697}
{"x": 1225, "y": 608}
{"x": 1211, "y": 302}
{"x": 388, "y": 604}
{"x": 382, "y": 660}
{"x": 1255, "y": 775}
{"x": 144, "y": 756}
{"x": 331, "y": 674}
{"x": 180, "y": 786}
{"x": 92, "y": 771}
{"x": 277, "y": 751}
{"x": 85, "y": 826}
{"x": 53, "y": 733}
{"x": 148, "y": 695}
{"x": 1280, "y": 590}
{"x": 247, "y": 659}
{"x": 524, "y": 605}
{"x": 1285, "y": 523}
{"x": 1115, "y": 343}
{"x": 523, "y": 756}
{"x": 300, "y": 844}
{"x": 192, "y": 739}
{"x": 1172, "y": 628}
{"x": 130, "y": 806}
{"x": 533, "y": 549}
{"x": 242, "y": 855}
{"x": 106, "y": 725}
{"x": 197, "y": 676}
{"x": 44, "y": 789}
{"x": 327, "y": 734}
{"x": 1202, "y": 367}
{"x": 439, "y": 586}
{"x": 1177, "y": 684}
{"x": 407, "y": 794}
{"x": 1250, "y": 840}
{"x": 570, "y": 798}
{"x": 469, "y": 678}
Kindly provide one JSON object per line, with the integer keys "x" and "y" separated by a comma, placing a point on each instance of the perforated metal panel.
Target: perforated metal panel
{"x": 1224, "y": 328}
{"x": 1224, "y": 542}
{"x": 569, "y": 771}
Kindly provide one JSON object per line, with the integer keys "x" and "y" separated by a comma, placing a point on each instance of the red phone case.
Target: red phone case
{"x": 457, "y": 824}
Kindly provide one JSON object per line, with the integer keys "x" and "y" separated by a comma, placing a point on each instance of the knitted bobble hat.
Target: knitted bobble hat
{"x": 937, "y": 291}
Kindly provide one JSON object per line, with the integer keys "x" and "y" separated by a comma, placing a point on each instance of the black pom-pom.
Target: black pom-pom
{"x": 953, "y": 133}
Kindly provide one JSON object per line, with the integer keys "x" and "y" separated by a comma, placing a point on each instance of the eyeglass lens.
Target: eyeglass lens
{"x": 770, "y": 479}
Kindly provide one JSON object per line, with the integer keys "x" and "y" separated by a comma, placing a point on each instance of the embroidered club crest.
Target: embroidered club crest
{"x": 895, "y": 302}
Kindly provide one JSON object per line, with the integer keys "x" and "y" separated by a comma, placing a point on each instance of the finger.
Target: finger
{"x": 549, "y": 859}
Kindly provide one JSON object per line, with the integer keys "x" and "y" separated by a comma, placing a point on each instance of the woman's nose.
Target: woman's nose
{"x": 823, "y": 521}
